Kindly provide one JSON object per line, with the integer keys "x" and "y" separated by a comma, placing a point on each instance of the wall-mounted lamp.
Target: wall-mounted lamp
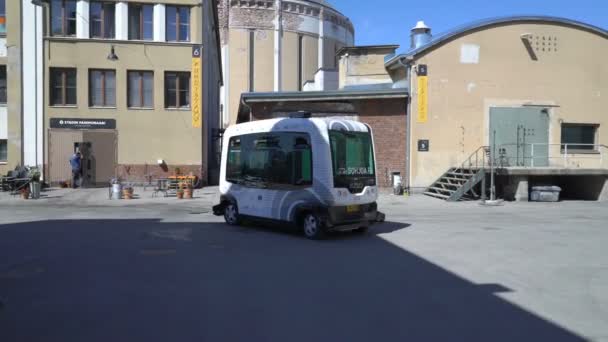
{"x": 526, "y": 38}
{"x": 112, "y": 56}
{"x": 163, "y": 165}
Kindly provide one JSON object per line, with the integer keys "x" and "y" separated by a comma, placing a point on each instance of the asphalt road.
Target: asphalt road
{"x": 157, "y": 279}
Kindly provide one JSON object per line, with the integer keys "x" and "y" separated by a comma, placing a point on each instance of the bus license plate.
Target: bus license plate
{"x": 352, "y": 209}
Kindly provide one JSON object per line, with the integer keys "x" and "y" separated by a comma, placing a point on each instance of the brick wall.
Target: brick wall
{"x": 386, "y": 117}
{"x": 388, "y": 121}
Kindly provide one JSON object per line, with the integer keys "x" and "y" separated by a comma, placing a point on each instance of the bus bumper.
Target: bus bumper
{"x": 342, "y": 219}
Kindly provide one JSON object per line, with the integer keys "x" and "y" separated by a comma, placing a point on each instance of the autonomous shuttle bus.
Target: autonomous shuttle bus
{"x": 315, "y": 173}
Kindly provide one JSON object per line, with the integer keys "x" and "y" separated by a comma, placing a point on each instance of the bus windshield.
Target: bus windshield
{"x": 352, "y": 159}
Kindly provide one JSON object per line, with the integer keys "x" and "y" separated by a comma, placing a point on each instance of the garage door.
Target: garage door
{"x": 521, "y": 136}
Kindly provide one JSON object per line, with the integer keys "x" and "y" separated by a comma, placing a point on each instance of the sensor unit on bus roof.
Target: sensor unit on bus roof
{"x": 300, "y": 115}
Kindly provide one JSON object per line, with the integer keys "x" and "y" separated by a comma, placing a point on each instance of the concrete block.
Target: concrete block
{"x": 604, "y": 193}
{"x": 522, "y": 192}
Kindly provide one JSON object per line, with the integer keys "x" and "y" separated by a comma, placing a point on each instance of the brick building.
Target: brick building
{"x": 366, "y": 94}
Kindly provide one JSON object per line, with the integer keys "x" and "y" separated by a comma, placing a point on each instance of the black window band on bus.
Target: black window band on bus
{"x": 281, "y": 160}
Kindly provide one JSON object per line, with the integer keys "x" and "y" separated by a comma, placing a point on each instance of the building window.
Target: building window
{"x": 63, "y": 17}
{"x": 3, "y": 150}
{"x": 2, "y": 17}
{"x": 141, "y": 22}
{"x": 140, "y": 89}
{"x": 178, "y": 23}
{"x": 63, "y": 87}
{"x": 177, "y": 90}
{"x": 579, "y": 137}
{"x": 251, "y": 61}
{"x": 2, "y": 84}
{"x": 102, "y": 88}
{"x": 300, "y": 62}
{"x": 102, "y": 19}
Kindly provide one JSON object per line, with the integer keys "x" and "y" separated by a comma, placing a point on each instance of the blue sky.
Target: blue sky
{"x": 389, "y": 21}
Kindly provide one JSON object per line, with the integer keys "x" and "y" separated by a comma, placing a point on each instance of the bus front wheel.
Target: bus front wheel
{"x": 231, "y": 214}
{"x": 312, "y": 227}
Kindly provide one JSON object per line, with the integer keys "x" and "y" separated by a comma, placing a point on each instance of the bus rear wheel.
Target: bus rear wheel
{"x": 312, "y": 227}
{"x": 231, "y": 214}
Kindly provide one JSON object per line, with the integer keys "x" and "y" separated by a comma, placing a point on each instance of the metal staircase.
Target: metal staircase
{"x": 461, "y": 183}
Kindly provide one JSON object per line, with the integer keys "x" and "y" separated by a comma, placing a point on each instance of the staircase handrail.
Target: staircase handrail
{"x": 475, "y": 154}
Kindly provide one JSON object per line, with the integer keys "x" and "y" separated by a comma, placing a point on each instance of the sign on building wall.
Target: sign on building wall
{"x": 424, "y": 145}
{"x": 197, "y": 120}
{"x": 423, "y": 95}
{"x": 69, "y": 123}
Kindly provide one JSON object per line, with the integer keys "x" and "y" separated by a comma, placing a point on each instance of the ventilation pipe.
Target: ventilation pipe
{"x": 421, "y": 35}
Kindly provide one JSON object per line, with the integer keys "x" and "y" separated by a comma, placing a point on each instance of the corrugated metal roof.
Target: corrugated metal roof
{"x": 487, "y": 23}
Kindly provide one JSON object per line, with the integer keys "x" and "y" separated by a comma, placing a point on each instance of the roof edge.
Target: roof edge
{"x": 366, "y": 47}
{"x": 486, "y": 23}
{"x": 297, "y": 95}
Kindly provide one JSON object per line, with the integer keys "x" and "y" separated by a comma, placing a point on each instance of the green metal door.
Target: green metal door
{"x": 521, "y": 136}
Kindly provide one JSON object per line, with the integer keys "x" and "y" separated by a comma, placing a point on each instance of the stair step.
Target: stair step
{"x": 442, "y": 190}
{"x": 461, "y": 174}
{"x": 449, "y": 184}
{"x": 455, "y": 179}
{"x": 432, "y": 194}
{"x": 460, "y": 181}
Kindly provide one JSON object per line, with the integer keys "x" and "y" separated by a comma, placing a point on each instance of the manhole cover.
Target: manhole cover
{"x": 157, "y": 252}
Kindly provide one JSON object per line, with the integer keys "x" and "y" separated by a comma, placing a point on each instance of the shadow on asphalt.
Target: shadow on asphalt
{"x": 143, "y": 280}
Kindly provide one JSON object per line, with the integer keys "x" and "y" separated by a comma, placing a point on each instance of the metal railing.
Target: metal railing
{"x": 478, "y": 159}
{"x": 552, "y": 155}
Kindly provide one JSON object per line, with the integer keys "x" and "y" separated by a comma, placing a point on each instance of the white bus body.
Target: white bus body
{"x": 317, "y": 173}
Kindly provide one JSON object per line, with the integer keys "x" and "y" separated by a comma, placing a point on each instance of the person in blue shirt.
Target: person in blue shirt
{"x": 76, "y": 165}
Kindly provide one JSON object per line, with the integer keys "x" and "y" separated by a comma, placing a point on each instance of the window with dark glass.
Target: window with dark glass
{"x": 352, "y": 160}
{"x": 140, "y": 90}
{"x": 2, "y": 84}
{"x": 178, "y": 23}
{"x": 102, "y": 88}
{"x": 102, "y": 19}
{"x": 63, "y": 86}
{"x": 63, "y": 17}
{"x": 579, "y": 137}
{"x": 141, "y": 22}
{"x": 3, "y": 150}
{"x": 177, "y": 90}
{"x": 2, "y": 17}
{"x": 270, "y": 160}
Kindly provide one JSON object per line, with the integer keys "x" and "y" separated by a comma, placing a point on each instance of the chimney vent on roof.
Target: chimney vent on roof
{"x": 421, "y": 35}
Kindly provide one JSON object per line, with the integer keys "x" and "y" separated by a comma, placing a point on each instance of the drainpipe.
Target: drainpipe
{"x": 408, "y": 128}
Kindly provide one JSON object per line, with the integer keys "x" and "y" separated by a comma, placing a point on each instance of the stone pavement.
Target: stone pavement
{"x": 163, "y": 269}
{"x": 56, "y": 197}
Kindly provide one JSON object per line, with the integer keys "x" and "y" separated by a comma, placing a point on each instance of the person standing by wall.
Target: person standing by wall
{"x": 76, "y": 165}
